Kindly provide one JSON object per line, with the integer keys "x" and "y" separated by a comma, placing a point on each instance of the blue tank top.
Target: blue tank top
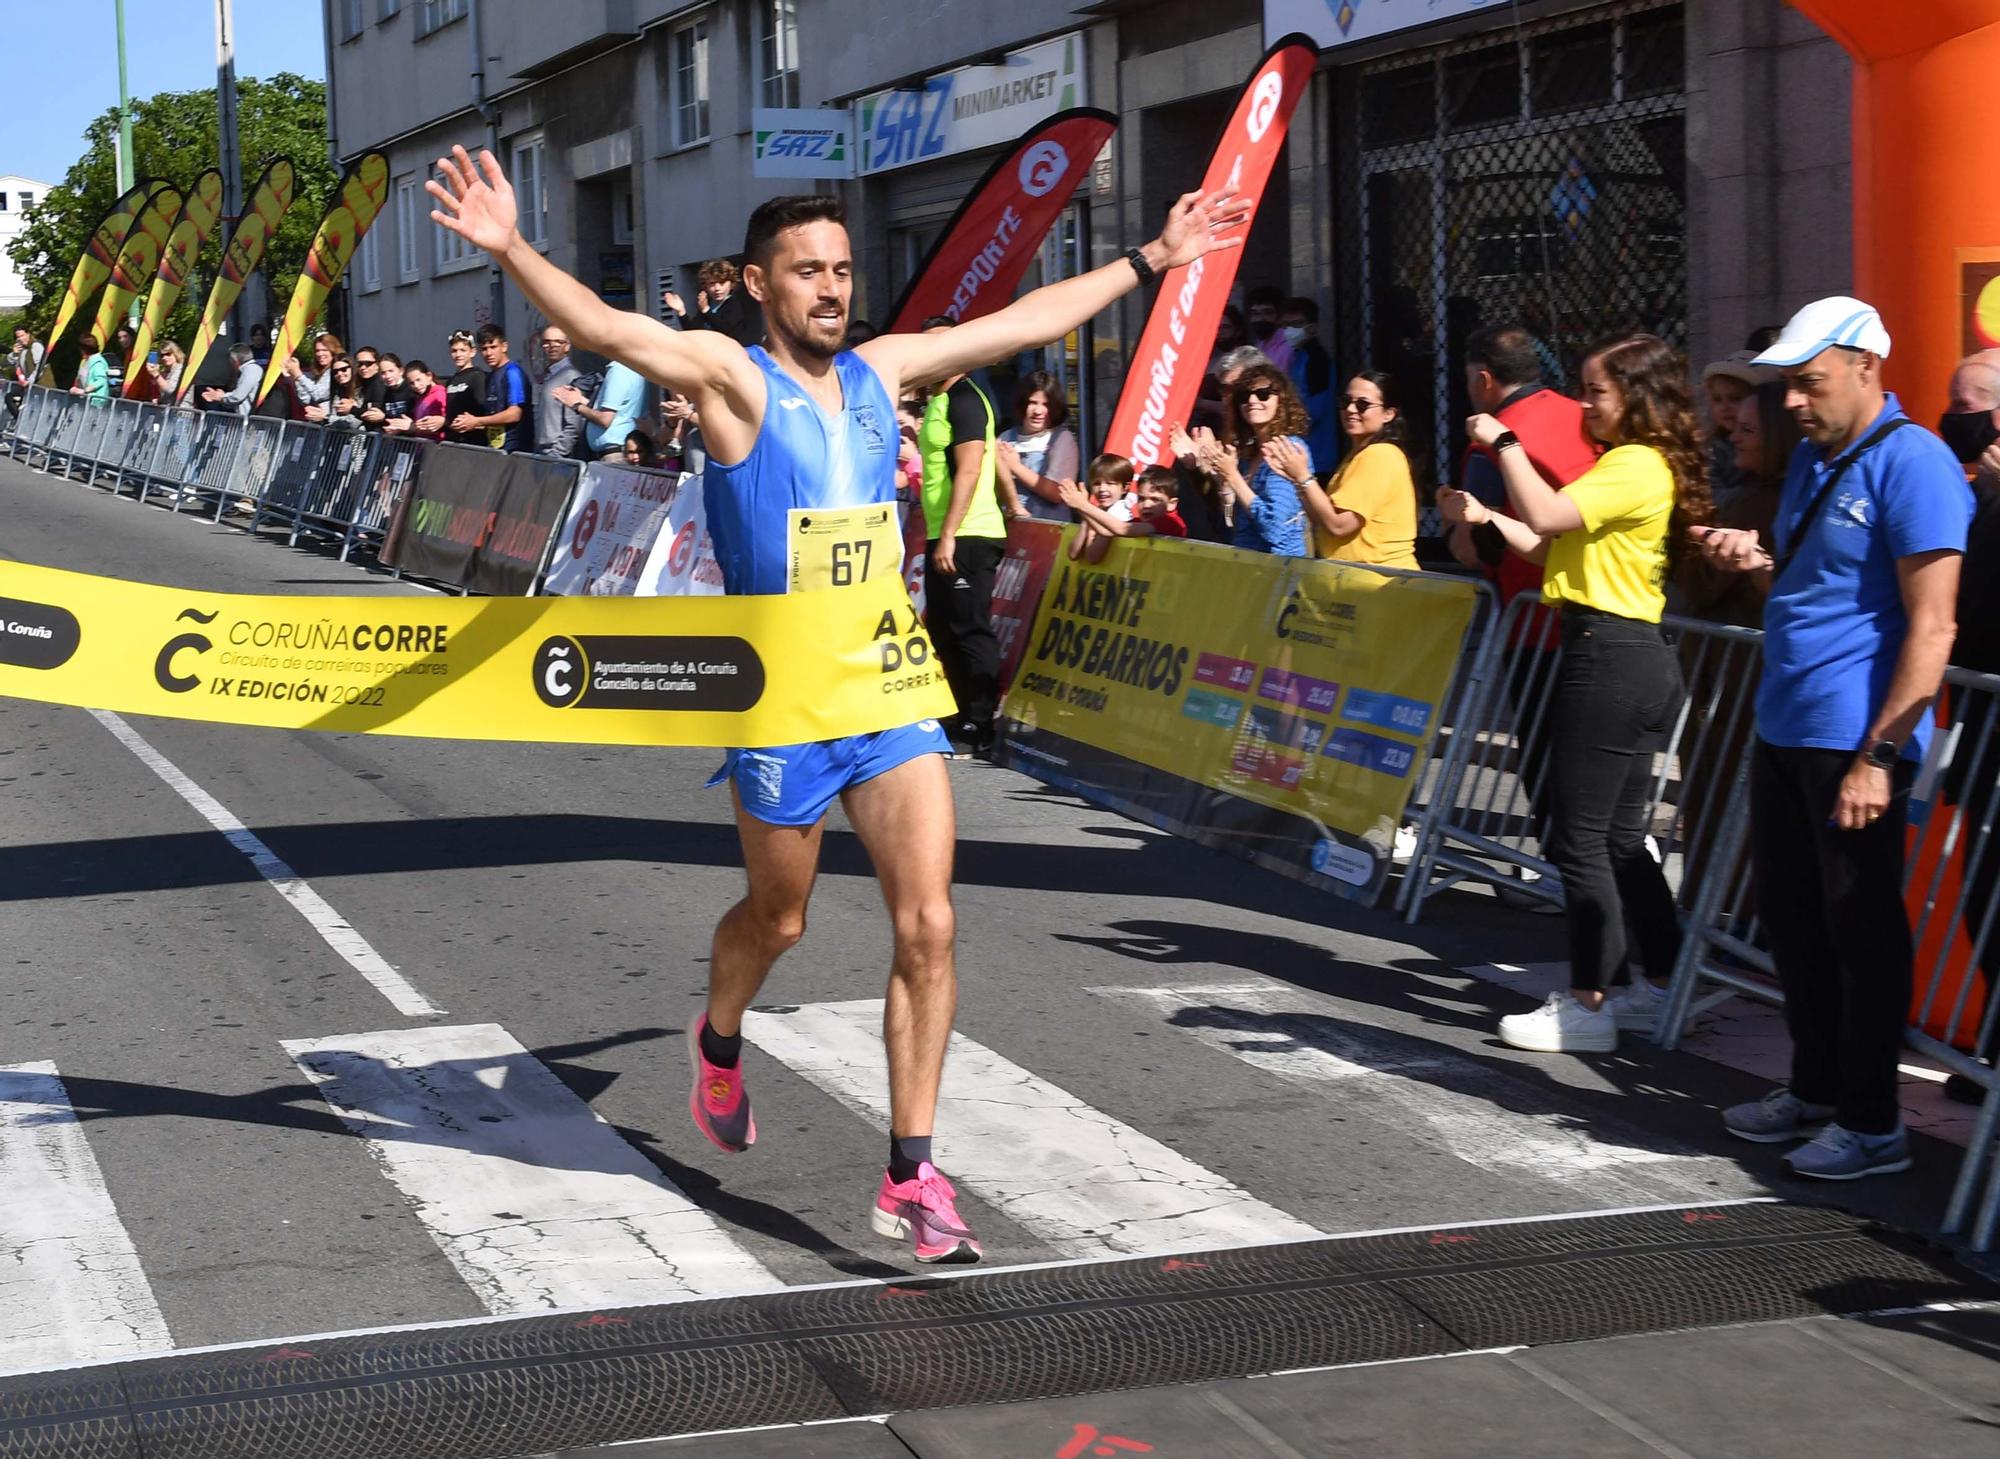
{"x": 803, "y": 457}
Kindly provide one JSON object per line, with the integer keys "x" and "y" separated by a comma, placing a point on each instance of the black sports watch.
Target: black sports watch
{"x": 1505, "y": 439}
{"x": 1883, "y": 754}
{"x": 1137, "y": 258}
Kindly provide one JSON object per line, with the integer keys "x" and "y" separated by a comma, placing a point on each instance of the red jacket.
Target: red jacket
{"x": 1550, "y": 426}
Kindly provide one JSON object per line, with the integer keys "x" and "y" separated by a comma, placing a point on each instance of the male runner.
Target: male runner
{"x": 801, "y": 427}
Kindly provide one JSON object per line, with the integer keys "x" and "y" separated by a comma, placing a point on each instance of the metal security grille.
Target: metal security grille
{"x": 1535, "y": 175}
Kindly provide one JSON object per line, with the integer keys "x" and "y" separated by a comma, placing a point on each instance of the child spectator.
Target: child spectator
{"x": 1158, "y": 497}
{"x": 1109, "y": 480}
{"x": 427, "y": 415}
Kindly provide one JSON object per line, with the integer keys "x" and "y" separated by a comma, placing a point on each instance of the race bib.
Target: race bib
{"x": 838, "y": 547}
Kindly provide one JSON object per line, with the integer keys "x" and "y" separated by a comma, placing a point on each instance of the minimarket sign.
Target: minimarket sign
{"x": 970, "y": 107}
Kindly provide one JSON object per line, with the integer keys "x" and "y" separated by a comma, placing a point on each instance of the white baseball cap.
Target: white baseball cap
{"x": 1822, "y": 325}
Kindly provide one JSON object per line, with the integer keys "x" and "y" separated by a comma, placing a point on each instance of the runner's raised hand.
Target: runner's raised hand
{"x": 475, "y": 202}
{"x": 1197, "y": 223}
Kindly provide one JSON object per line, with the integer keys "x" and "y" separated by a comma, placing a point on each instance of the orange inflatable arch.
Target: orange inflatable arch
{"x": 1927, "y": 254}
{"x": 1926, "y": 159}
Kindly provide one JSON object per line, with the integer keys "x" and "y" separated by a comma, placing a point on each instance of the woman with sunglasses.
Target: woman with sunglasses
{"x": 1265, "y": 424}
{"x": 1368, "y": 511}
{"x": 1607, "y": 542}
{"x": 343, "y": 406}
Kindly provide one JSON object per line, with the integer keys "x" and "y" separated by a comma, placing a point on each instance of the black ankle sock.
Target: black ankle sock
{"x": 906, "y": 1154}
{"x": 723, "y": 1052}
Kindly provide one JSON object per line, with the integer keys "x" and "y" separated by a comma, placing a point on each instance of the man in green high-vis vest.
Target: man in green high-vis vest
{"x": 966, "y": 538}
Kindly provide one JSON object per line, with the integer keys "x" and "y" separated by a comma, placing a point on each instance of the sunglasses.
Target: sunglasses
{"x": 1360, "y": 405}
{"x": 343, "y": 369}
{"x": 1261, "y": 392}
{"x": 364, "y": 364}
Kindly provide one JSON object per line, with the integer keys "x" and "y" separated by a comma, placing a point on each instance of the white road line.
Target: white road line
{"x": 1074, "y": 1176}
{"x": 71, "y": 1288}
{"x": 333, "y": 928}
{"x": 538, "y": 1202}
{"x": 1443, "y": 1098}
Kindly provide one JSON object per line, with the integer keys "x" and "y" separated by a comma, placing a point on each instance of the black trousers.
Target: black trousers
{"x": 958, "y": 610}
{"x": 1614, "y": 705}
{"x": 1832, "y": 905}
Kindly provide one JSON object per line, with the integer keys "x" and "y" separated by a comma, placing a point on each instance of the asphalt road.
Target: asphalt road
{"x": 1299, "y": 1063}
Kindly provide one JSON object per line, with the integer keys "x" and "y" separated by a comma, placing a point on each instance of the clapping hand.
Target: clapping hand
{"x": 1073, "y": 496}
{"x": 1209, "y": 453}
{"x": 1289, "y": 459}
{"x": 1181, "y": 443}
{"x": 1730, "y": 549}
{"x": 567, "y": 395}
{"x": 1484, "y": 429}
{"x": 674, "y": 302}
{"x": 1462, "y": 508}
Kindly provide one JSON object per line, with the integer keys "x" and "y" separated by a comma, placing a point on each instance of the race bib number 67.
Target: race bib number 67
{"x": 839, "y": 547}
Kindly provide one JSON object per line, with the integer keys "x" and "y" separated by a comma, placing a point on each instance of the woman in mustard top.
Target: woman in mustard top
{"x": 1607, "y": 542}
{"x": 1368, "y": 511}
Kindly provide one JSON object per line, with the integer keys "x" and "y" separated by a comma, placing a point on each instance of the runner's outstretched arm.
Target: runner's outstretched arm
{"x": 476, "y": 202}
{"x": 1195, "y": 226}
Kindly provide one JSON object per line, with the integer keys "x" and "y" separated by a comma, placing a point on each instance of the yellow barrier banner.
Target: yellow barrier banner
{"x": 1278, "y": 707}
{"x": 747, "y": 672}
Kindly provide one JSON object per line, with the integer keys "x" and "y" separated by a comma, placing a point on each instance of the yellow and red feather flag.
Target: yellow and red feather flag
{"x": 138, "y": 259}
{"x": 356, "y": 204}
{"x": 270, "y": 200}
{"x": 94, "y": 266}
{"x": 199, "y": 215}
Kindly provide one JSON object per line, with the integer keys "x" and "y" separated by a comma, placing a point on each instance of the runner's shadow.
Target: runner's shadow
{"x": 708, "y": 1192}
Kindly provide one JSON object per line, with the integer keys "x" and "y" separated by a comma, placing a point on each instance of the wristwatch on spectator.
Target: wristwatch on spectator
{"x": 1883, "y": 754}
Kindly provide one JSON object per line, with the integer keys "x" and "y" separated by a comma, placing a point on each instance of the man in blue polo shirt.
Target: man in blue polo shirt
{"x": 1857, "y": 632}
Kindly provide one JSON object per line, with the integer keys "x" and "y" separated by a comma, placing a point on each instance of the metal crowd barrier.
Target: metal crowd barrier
{"x": 31, "y": 426}
{"x": 125, "y": 420}
{"x": 335, "y": 484}
{"x": 1481, "y": 819}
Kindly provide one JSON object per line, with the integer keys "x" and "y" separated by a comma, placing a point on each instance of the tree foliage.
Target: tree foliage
{"x": 174, "y": 139}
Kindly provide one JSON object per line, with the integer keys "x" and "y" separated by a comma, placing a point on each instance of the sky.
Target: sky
{"x": 169, "y": 46}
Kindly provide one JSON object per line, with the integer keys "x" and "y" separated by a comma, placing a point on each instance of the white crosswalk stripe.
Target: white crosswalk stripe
{"x": 71, "y": 1287}
{"x": 1080, "y": 1180}
{"x": 1444, "y": 1098}
{"x": 537, "y": 1202}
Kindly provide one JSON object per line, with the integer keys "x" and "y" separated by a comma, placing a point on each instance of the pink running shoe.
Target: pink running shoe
{"x": 718, "y": 1102}
{"x": 923, "y": 1209}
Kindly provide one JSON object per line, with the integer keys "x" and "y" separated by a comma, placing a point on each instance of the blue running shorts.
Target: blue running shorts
{"x": 793, "y": 785}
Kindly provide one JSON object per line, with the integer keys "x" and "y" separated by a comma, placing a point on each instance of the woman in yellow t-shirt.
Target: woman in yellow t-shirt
{"x": 1368, "y": 511}
{"x": 1607, "y": 542}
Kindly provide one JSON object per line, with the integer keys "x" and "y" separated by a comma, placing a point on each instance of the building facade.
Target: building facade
{"x": 18, "y": 195}
{"x": 1681, "y": 165}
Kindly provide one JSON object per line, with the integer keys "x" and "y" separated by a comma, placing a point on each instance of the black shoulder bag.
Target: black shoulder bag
{"x": 1889, "y": 428}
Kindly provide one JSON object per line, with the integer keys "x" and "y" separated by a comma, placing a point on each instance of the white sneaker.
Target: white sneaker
{"x": 1561, "y": 1026}
{"x": 1406, "y": 845}
{"x": 1637, "y": 1006}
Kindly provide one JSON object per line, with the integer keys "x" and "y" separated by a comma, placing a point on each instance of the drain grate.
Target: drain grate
{"x": 549, "y": 1383}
